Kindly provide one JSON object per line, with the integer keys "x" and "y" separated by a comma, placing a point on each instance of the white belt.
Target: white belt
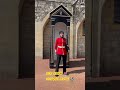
{"x": 61, "y": 46}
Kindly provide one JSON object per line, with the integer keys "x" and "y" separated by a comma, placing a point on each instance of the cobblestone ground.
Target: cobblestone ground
{"x": 76, "y": 75}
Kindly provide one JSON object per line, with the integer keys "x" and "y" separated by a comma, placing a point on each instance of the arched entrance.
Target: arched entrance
{"x": 81, "y": 40}
{"x": 46, "y": 41}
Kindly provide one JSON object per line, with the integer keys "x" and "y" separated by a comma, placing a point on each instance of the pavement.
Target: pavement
{"x": 76, "y": 75}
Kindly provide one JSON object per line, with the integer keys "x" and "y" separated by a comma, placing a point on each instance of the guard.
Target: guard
{"x": 61, "y": 50}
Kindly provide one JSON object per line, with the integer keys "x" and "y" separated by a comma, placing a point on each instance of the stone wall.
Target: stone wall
{"x": 110, "y": 41}
{"x": 46, "y": 41}
{"x": 80, "y": 42}
{"x": 42, "y": 10}
{"x": 9, "y": 29}
{"x": 102, "y": 39}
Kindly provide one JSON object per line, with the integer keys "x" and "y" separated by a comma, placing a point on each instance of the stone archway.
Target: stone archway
{"x": 46, "y": 41}
{"x": 76, "y": 37}
{"x": 80, "y": 41}
{"x": 39, "y": 29}
{"x": 39, "y": 37}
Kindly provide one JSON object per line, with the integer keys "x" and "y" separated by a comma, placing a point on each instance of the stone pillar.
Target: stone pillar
{"x": 95, "y": 71}
{"x": 88, "y": 8}
{"x": 68, "y": 37}
{"x": 52, "y": 45}
{"x": 75, "y": 43}
{"x": 74, "y": 32}
{"x": 71, "y": 38}
{"x": 39, "y": 39}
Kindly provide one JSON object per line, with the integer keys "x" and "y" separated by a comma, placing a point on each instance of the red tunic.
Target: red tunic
{"x": 60, "y": 46}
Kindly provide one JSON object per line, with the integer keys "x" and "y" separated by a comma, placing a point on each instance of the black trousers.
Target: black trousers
{"x": 58, "y": 62}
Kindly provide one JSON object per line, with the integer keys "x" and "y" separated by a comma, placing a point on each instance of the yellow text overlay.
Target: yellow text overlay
{"x": 57, "y": 78}
{"x": 54, "y": 73}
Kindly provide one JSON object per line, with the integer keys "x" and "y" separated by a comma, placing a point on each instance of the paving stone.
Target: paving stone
{"x": 76, "y": 72}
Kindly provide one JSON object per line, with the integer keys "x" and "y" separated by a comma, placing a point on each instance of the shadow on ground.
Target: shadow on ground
{"x": 110, "y": 85}
{"x": 76, "y": 71}
{"x": 77, "y": 63}
{"x": 74, "y": 64}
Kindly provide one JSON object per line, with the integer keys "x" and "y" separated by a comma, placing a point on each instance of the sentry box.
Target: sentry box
{"x": 60, "y": 20}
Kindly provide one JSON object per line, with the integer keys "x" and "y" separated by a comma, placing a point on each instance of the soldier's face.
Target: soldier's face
{"x": 61, "y": 35}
